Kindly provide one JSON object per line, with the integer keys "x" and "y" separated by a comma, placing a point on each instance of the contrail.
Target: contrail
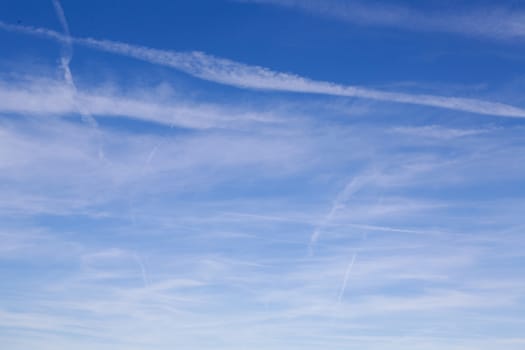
{"x": 350, "y": 188}
{"x": 67, "y": 47}
{"x": 144, "y": 274}
{"x": 241, "y": 75}
{"x": 65, "y": 60}
{"x": 345, "y": 280}
{"x": 349, "y": 269}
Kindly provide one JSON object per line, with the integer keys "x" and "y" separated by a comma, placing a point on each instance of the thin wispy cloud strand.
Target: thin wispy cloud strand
{"x": 68, "y": 45}
{"x": 240, "y": 75}
{"x": 65, "y": 60}
{"x": 493, "y": 22}
{"x": 346, "y": 277}
{"x": 44, "y": 97}
{"x": 340, "y": 202}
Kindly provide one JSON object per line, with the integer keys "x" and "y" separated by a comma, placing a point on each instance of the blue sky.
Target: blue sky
{"x": 262, "y": 174}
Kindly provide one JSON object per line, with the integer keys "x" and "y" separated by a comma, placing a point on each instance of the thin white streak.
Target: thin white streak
{"x": 48, "y": 97}
{"x": 437, "y": 132}
{"x": 351, "y": 188}
{"x": 156, "y": 147}
{"x": 240, "y": 75}
{"x": 494, "y": 22}
{"x": 143, "y": 272}
{"x": 65, "y": 60}
{"x": 152, "y": 153}
{"x": 61, "y": 16}
{"x": 345, "y": 280}
{"x": 67, "y": 46}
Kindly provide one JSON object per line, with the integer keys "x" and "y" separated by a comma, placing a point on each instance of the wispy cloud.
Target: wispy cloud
{"x": 240, "y": 75}
{"x": 494, "y": 22}
{"x": 437, "y": 132}
{"x": 265, "y": 285}
{"x": 45, "y": 97}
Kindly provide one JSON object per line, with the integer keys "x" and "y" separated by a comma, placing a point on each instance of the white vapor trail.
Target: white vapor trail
{"x": 68, "y": 45}
{"x": 65, "y": 60}
{"x": 240, "y": 75}
{"x": 345, "y": 280}
{"x": 143, "y": 272}
{"x": 351, "y": 187}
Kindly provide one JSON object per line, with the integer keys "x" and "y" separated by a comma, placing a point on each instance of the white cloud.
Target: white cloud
{"x": 497, "y": 22}
{"x": 437, "y": 132}
{"x": 240, "y": 75}
{"x": 51, "y": 97}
